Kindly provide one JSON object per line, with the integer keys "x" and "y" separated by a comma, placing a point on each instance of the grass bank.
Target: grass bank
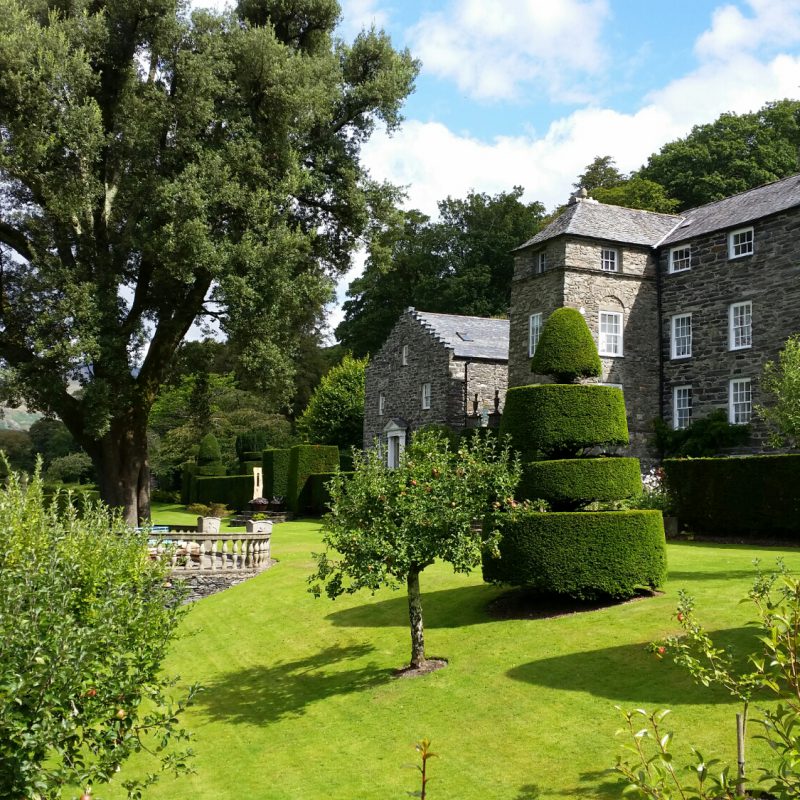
{"x": 300, "y": 700}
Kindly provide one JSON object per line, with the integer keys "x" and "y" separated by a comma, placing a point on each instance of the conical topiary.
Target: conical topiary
{"x": 583, "y": 554}
{"x": 209, "y": 452}
{"x": 566, "y": 350}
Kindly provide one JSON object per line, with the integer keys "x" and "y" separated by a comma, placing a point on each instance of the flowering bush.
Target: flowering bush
{"x": 655, "y": 494}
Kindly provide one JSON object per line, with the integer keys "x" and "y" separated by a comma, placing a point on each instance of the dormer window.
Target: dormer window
{"x": 609, "y": 260}
{"x": 404, "y": 356}
{"x": 741, "y": 243}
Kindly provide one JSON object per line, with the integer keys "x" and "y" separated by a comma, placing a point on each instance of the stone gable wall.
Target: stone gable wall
{"x": 770, "y": 279}
{"x": 429, "y": 361}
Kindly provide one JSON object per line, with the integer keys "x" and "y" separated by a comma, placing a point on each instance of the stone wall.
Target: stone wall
{"x": 207, "y": 583}
{"x": 770, "y": 279}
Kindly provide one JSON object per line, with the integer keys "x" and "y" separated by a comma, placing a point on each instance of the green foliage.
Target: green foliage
{"x": 423, "y": 747}
{"x": 208, "y": 453}
{"x": 707, "y": 436}
{"x": 249, "y": 443}
{"x": 316, "y": 497}
{"x": 566, "y": 349}
{"x": 637, "y": 192}
{"x": 602, "y": 173}
{"x": 86, "y": 618}
{"x": 387, "y": 525}
{"x": 775, "y": 668}
{"x": 246, "y": 467}
{"x": 459, "y": 264}
{"x": 445, "y": 431}
{"x": 234, "y": 491}
{"x": 187, "y": 482}
{"x": 74, "y": 468}
{"x": 335, "y": 412}
{"x": 305, "y": 460}
{"x": 586, "y": 555}
{"x": 562, "y": 420}
{"x": 276, "y": 473}
{"x": 751, "y": 496}
{"x": 205, "y": 164}
{"x": 571, "y": 483}
{"x": 51, "y": 439}
{"x": 734, "y": 153}
{"x": 18, "y": 449}
{"x": 780, "y": 382}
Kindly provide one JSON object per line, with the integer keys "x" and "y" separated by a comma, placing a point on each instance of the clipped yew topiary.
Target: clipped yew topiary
{"x": 566, "y": 350}
{"x": 558, "y": 430}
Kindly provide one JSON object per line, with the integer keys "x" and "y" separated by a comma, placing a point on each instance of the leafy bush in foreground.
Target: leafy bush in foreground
{"x": 86, "y": 618}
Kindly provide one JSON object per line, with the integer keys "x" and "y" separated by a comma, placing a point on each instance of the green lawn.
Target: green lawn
{"x": 176, "y": 514}
{"x": 300, "y": 701}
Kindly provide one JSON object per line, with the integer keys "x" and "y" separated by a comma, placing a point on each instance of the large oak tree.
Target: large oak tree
{"x": 157, "y": 166}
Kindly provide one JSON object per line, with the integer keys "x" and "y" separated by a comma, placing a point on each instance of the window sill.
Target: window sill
{"x": 739, "y": 258}
{"x": 611, "y": 355}
{"x": 739, "y": 349}
{"x": 680, "y": 358}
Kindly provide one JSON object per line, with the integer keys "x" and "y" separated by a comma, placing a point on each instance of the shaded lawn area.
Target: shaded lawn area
{"x": 300, "y": 700}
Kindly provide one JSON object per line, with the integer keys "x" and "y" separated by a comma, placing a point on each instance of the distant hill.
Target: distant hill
{"x": 17, "y": 419}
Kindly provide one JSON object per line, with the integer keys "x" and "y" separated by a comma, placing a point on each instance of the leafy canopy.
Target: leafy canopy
{"x": 460, "y": 263}
{"x": 566, "y": 350}
{"x": 335, "y": 412}
{"x": 86, "y": 619}
{"x": 387, "y": 523}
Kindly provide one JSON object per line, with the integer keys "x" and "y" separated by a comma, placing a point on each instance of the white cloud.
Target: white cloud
{"x": 358, "y": 14}
{"x": 492, "y": 50}
{"x": 773, "y": 23}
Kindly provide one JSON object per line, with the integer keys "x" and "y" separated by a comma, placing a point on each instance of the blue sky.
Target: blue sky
{"x": 528, "y": 92}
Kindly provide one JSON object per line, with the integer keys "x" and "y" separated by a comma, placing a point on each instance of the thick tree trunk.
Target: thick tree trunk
{"x": 415, "y": 618}
{"x": 123, "y": 468}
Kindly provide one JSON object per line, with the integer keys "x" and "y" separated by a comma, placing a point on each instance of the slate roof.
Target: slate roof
{"x": 613, "y": 223}
{"x": 467, "y": 337}
{"x": 738, "y": 210}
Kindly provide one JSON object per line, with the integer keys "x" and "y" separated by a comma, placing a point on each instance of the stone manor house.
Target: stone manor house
{"x": 685, "y": 309}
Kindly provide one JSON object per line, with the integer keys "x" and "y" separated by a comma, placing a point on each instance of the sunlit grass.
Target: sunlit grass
{"x": 300, "y": 700}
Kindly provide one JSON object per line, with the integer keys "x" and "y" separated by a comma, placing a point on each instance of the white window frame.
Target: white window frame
{"x": 404, "y": 356}
{"x": 682, "y": 263}
{"x": 609, "y": 259}
{"x": 673, "y": 343}
{"x": 741, "y": 242}
{"x": 603, "y": 341}
{"x": 679, "y": 422}
{"x": 426, "y": 396}
{"x": 732, "y": 328}
{"x": 534, "y": 332}
{"x": 736, "y": 415}
{"x": 381, "y": 403}
{"x": 541, "y": 263}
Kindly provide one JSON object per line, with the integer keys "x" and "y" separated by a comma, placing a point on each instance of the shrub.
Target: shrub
{"x": 201, "y": 509}
{"x": 234, "y": 491}
{"x": 86, "y": 619}
{"x": 566, "y": 350}
{"x": 557, "y": 420}
{"x": 275, "y": 464}
{"x": 750, "y": 496}
{"x": 346, "y": 462}
{"x": 208, "y": 452}
{"x": 316, "y": 497}
{"x": 586, "y": 555}
{"x": 571, "y": 483}
{"x": 72, "y": 468}
{"x": 304, "y": 460}
{"x": 251, "y": 455}
{"x": 165, "y": 496}
{"x": 453, "y": 437}
{"x": 707, "y": 436}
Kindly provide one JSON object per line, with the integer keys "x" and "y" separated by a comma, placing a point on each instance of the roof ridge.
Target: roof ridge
{"x": 739, "y": 194}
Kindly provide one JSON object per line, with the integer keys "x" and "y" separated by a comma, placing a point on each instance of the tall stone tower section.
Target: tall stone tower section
{"x": 601, "y": 260}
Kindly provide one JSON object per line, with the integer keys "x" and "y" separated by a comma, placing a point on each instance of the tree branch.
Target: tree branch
{"x": 16, "y": 240}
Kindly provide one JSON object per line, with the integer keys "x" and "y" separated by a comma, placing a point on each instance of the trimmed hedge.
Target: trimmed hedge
{"x": 305, "y": 460}
{"x": 315, "y": 498}
{"x": 209, "y": 470}
{"x": 187, "y": 478}
{"x": 251, "y": 455}
{"x": 209, "y": 452}
{"x": 346, "y": 460}
{"x": 246, "y": 467}
{"x": 235, "y": 491}
{"x": 275, "y": 464}
{"x": 749, "y": 496}
{"x": 251, "y": 444}
{"x": 589, "y": 555}
{"x": 571, "y": 483}
{"x": 556, "y": 419}
{"x": 566, "y": 350}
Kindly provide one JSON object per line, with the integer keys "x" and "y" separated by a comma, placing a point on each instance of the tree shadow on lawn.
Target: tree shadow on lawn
{"x": 631, "y": 675}
{"x": 263, "y": 694}
{"x": 603, "y": 783}
{"x": 444, "y": 608}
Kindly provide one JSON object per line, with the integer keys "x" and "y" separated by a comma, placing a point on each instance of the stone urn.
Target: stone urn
{"x": 259, "y": 505}
{"x": 208, "y": 524}
{"x": 262, "y": 527}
